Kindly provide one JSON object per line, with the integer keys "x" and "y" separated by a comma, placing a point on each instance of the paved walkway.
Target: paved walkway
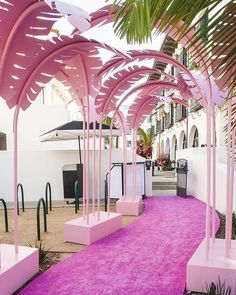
{"x": 147, "y": 257}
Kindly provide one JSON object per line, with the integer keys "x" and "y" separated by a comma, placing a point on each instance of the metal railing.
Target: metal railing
{"x": 76, "y": 193}
{"x": 48, "y": 193}
{"x": 106, "y": 182}
{"x": 44, "y": 217}
{"x": 5, "y": 213}
{"x": 20, "y": 186}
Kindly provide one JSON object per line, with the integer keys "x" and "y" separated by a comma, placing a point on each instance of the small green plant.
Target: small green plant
{"x": 234, "y": 225}
{"x": 218, "y": 289}
{"x": 43, "y": 252}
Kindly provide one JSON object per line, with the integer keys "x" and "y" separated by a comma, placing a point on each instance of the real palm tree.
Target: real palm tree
{"x": 146, "y": 141}
{"x": 215, "y": 35}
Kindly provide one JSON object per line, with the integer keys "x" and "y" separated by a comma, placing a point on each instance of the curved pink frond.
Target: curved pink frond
{"x": 168, "y": 99}
{"x": 153, "y": 87}
{"x": 106, "y": 15}
{"x": 78, "y": 17}
{"x": 117, "y": 84}
{"x": 121, "y": 122}
{"x": 142, "y": 55}
{"x": 103, "y": 15}
{"x": 140, "y": 109}
{"x": 43, "y": 65}
{"x": 23, "y": 21}
{"x": 81, "y": 71}
{"x": 189, "y": 89}
{"x": 139, "y": 55}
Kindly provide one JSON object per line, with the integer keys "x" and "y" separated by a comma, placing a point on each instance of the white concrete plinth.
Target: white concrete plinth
{"x": 16, "y": 271}
{"x": 77, "y": 231}
{"x": 126, "y": 205}
{"x": 201, "y": 271}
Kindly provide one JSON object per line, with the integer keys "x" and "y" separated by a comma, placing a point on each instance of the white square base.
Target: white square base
{"x": 126, "y": 205}
{"x": 77, "y": 231}
{"x": 201, "y": 271}
{"x": 16, "y": 271}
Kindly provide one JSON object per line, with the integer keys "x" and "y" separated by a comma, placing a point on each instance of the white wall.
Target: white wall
{"x": 33, "y": 122}
{"x": 197, "y": 175}
{"x": 36, "y": 168}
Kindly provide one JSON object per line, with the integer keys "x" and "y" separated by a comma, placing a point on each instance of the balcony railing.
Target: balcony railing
{"x": 159, "y": 127}
{"x": 194, "y": 106}
{"x": 180, "y": 113}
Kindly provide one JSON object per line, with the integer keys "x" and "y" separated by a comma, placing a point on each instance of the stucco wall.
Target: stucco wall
{"x": 197, "y": 175}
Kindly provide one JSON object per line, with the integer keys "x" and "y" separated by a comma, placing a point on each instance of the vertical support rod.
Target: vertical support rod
{"x": 125, "y": 163}
{"x": 99, "y": 166}
{"x": 208, "y": 178}
{"x": 213, "y": 173}
{"x": 227, "y": 229}
{"x": 109, "y": 168}
{"x": 231, "y": 194}
{"x": 87, "y": 164}
{"x": 84, "y": 167}
{"x": 94, "y": 164}
{"x": 15, "y": 167}
{"x": 133, "y": 166}
{"x": 80, "y": 161}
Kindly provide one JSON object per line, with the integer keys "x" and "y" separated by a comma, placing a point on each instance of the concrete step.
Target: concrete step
{"x": 164, "y": 173}
{"x": 164, "y": 187}
{"x": 164, "y": 192}
{"x": 170, "y": 182}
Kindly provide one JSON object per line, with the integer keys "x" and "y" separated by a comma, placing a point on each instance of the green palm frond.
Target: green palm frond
{"x": 214, "y": 36}
{"x": 147, "y": 137}
{"x": 107, "y": 121}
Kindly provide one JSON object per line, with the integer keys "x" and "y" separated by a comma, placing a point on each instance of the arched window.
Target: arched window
{"x": 176, "y": 145}
{"x": 196, "y": 139}
{"x": 3, "y": 141}
{"x": 184, "y": 142}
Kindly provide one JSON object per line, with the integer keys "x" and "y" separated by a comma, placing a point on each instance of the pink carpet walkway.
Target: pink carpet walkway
{"x": 147, "y": 257}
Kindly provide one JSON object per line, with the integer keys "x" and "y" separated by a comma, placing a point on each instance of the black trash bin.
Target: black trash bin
{"x": 182, "y": 170}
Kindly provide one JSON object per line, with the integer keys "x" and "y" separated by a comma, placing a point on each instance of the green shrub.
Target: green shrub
{"x": 43, "y": 252}
{"x": 218, "y": 289}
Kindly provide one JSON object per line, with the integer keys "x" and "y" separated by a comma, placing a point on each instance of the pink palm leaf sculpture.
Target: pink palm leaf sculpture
{"x": 142, "y": 55}
{"x": 202, "y": 61}
{"x": 105, "y": 101}
{"x": 115, "y": 85}
{"x": 41, "y": 68}
{"x": 42, "y": 62}
{"x": 149, "y": 87}
{"x": 79, "y": 74}
{"x": 79, "y": 18}
{"x": 103, "y": 15}
{"x": 141, "y": 107}
{"x": 120, "y": 122}
{"x": 30, "y": 18}
{"x": 107, "y": 13}
{"x": 189, "y": 89}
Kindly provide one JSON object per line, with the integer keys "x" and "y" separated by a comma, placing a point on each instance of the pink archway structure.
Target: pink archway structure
{"x": 28, "y": 61}
{"x": 105, "y": 15}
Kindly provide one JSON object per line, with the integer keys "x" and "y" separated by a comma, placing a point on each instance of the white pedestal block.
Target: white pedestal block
{"x": 128, "y": 206}
{"x": 201, "y": 271}
{"x": 77, "y": 231}
{"x": 16, "y": 271}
